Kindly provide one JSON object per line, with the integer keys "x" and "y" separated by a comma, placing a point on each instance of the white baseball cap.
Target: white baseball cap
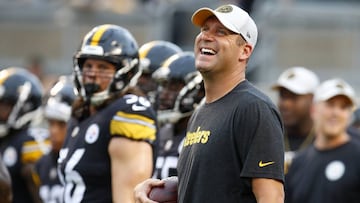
{"x": 233, "y": 18}
{"x": 298, "y": 80}
{"x": 334, "y": 87}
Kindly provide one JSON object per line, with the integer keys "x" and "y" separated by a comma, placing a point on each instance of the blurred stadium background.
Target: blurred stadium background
{"x": 323, "y": 35}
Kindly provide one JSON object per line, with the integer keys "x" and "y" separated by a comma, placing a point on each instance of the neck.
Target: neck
{"x": 324, "y": 142}
{"x": 218, "y": 85}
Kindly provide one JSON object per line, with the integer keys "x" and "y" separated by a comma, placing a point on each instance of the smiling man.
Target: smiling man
{"x": 233, "y": 149}
{"x": 328, "y": 171}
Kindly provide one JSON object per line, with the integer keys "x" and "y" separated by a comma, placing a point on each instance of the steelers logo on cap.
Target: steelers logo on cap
{"x": 291, "y": 75}
{"x": 340, "y": 85}
{"x": 224, "y": 9}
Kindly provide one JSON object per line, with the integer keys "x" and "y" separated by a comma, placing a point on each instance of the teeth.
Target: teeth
{"x": 208, "y": 51}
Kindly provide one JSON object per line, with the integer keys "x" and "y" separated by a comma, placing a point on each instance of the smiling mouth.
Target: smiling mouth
{"x": 207, "y": 51}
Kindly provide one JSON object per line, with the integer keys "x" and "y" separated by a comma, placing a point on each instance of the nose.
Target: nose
{"x": 89, "y": 72}
{"x": 89, "y": 75}
{"x": 164, "y": 95}
{"x": 205, "y": 36}
{"x": 284, "y": 101}
{"x": 92, "y": 73}
{"x": 166, "y": 99}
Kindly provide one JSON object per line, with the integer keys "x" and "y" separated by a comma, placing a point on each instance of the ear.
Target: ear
{"x": 246, "y": 52}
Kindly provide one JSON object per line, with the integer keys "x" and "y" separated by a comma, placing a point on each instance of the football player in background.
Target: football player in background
{"x": 152, "y": 55}
{"x": 110, "y": 145}
{"x": 182, "y": 91}
{"x": 20, "y": 145}
{"x": 57, "y": 112}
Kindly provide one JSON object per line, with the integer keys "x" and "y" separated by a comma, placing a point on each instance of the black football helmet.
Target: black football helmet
{"x": 59, "y": 99}
{"x": 115, "y": 45}
{"x": 23, "y": 91}
{"x": 154, "y": 53}
{"x": 180, "y": 67}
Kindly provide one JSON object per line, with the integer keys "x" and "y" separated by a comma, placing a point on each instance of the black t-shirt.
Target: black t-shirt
{"x": 331, "y": 176}
{"x": 229, "y": 142}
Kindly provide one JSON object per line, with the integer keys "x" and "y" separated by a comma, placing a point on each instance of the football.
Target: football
{"x": 166, "y": 193}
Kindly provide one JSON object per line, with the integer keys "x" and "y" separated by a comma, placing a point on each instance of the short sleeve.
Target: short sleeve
{"x": 262, "y": 150}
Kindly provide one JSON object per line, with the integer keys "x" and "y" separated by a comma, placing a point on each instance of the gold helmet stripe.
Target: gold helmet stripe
{"x": 5, "y": 74}
{"x": 144, "y": 50}
{"x": 170, "y": 60}
{"x": 98, "y": 34}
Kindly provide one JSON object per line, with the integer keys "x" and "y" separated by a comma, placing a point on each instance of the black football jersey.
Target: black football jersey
{"x": 84, "y": 161}
{"x": 18, "y": 149}
{"x": 50, "y": 188}
{"x": 170, "y": 146}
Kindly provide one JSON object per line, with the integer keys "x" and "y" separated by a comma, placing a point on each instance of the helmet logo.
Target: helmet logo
{"x": 117, "y": 50}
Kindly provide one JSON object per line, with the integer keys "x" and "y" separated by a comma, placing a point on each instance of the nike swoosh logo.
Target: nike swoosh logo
{"x": 261, "y": 164}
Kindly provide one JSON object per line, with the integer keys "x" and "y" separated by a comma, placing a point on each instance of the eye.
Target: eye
{"x": 103, "y": 67}
{"x": 86, "y": 67}
{"x": 204, "y": 28}
{"x": 222, "y": 32}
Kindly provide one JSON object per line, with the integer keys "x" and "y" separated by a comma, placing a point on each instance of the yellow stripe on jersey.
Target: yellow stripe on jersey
{"x": 98, "y": 34}
{"x": 133, "y": 126}
{"x": 32, "y": 151}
